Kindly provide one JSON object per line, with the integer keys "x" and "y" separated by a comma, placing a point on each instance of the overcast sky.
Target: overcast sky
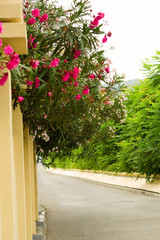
{"x": 135, "y": 27}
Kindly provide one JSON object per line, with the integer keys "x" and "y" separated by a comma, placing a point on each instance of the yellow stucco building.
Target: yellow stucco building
{"x": 18, "y": 180}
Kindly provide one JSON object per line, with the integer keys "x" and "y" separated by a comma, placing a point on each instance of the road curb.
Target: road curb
{"x": 120, "y": 181}
{"x": 40, "y": 225}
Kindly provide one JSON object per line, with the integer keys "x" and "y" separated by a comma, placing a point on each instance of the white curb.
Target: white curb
{"x": 122, "y": 180}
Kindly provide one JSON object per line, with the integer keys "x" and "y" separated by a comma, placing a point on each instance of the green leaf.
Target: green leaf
{"x": 70, "y": 37}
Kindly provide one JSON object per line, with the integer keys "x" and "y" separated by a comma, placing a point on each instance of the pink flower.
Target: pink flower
{"x": 31, "y": 39}
{"x": 44, "y": 18}
{"x": 65, "y": 61}
{"x": 36, "y": 12}
{"x": 41, "y": 19}
{"x": 74, "y": 75}
{"x": 78, "y": 97}
{"x": 1, "y": 43}
{"x": 24, "y": 16}
{"x": 29, "y": 83}
{"x": 76, "y": 70}
{"x": 64, "y": 90}
{"x": 37, "y": 82}
{"x": 107, "y": 103}
{"x": 49, "y": 94}
{"x": 91, "y": 76}
{"x": 100, "y": 15}
{"x": 11, "y": 65}
{"x": 76, "y": 83}
{"x": 94, "y": 23}
{"x": 8, "y": 50}
{"x": 109, "y": 34}
{"x": 86, "y": 91}
{"x": 34, "y": 45}
{"x": 55, "y": 62}
{"x": 77, "y": 53}
{"x": 31, "y": 21}
{"x": 1, "y": 28}
{"x": 14, "y": 61}
{"x": 3, "y": 79}
{"x": 104, "y": 40}
{"x": 107, "y": 70}
{"x": 34, "y": 63}
{"x": 15, "y": 58}
{"x": 65, "y": 77}
{"x": 45, "y": 66}
{"x": 20, "y": 99}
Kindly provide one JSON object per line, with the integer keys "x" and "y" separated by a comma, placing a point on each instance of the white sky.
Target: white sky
{"x": 135, "y": 27}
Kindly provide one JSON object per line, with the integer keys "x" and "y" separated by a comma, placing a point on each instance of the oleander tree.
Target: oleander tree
{"x": 59, "y": 84}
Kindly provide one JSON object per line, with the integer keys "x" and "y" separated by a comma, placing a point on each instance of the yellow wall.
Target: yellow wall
{"x": 19, "y": 172}
{"x": 14, "y": 34}
{"x": 18, "y": 187}
{"x": 8, "y": 199}
{"x": 11, "y": 11}
{"x": 27, "y": 183}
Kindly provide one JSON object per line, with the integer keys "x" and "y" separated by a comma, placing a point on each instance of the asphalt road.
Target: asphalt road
{"x": 81, "y": 210}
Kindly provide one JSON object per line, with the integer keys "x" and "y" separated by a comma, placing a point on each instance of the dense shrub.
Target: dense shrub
{"x": 98, "y": 154}
{"x": 135, "y": 146}
{"x": 140, "y": 136}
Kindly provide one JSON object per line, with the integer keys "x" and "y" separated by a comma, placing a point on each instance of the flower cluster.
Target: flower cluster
{"x": 95, "y": 23}
{"x": 9, "y": 61}
{"x": 37, "y": 82}
{"x": 34, "y": 63}
{"x": 55, "y": 62}
{"x": 86, "y": 90}
{"x": 77, "y": 53}
{"x": 69, "y": 77}
{"x": 34, "y": 18}
{"x": 14, "y": 61}
{"x": 36, "y": 15}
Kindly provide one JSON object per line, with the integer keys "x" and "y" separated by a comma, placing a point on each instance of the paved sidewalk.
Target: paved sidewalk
{"x": 122, "y": 180}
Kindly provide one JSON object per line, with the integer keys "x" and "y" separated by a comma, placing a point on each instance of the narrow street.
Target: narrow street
{"x": 81, "y": 210}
